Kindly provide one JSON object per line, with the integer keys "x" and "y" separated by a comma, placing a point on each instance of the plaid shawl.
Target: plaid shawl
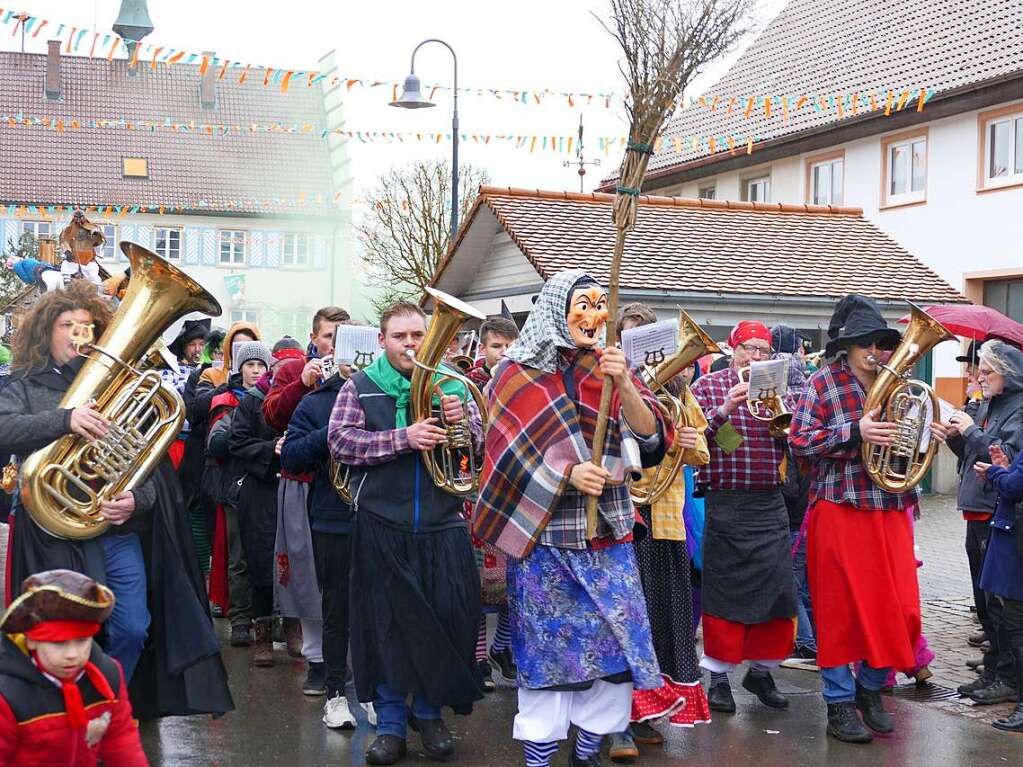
{"x": 541, "y": 425}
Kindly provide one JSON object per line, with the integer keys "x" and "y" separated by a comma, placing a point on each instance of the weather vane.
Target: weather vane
{"x": 579, "y": 160}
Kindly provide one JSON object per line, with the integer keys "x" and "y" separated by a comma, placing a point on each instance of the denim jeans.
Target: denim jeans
{"x": 392, "y": 711}
{"x": 839, "y": 685}
{"x": 128, "y": 624}
{"x": 804, "y": 618}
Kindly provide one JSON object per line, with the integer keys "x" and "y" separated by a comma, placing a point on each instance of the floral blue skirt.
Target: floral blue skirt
{"x": 578, "y": 616}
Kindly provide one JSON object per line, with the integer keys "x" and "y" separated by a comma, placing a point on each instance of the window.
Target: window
{"x": 108, "y": 249}
{"x": 245, "y": 315}
{"x": 757, "y": 189}
{"x": 296, "y": 250}
{"x": 168, "y": 243}
{"x": 826, "y": 181}
{"x": 232, "y": 247}
{"x": 135, "y": 167}
{"x": 1001, "y": 143}
{"x": 37, "y": 228}
{"x": 1006, "y": 296}
{"x": 707, "y": 192}
{"x": 905, "y": 165}
{"x": 296, "y": 323}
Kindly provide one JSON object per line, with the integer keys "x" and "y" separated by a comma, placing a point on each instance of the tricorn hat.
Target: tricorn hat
{"x": 858, "y": 320}
{"x": 972, "y": 355}
{"x": 191, "y": 330}
{"x": 57, "y": 595}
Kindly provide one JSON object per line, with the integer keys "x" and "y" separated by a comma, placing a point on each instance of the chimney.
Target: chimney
{"x": 52, "y": 84}
{"x": 208, "y": 84}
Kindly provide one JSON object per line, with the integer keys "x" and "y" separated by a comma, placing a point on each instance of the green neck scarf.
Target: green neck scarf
{"x": 399, "y": 388}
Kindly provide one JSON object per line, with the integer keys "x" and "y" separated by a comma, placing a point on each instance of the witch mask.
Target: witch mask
{"x": 587, "y": 315}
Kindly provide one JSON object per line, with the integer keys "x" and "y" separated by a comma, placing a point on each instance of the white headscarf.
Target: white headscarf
{"x": 546, "y": 328}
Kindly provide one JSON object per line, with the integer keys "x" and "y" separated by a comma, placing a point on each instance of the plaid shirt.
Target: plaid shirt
{"x": 826, "y": 430}
{"x": 351, "y": 444}
{"x": 755, "y": 463}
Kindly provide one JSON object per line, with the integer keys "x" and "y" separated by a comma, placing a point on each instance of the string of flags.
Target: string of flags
{"x": 107, "y": 45}
{"x": 530, "y": 143}
{"x": 55, "y": 212}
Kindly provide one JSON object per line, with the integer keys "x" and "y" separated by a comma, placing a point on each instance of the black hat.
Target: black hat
{"x": 191, "y": 330}
{"x": 858, "y": 320}
{"x": 972, "y": 355}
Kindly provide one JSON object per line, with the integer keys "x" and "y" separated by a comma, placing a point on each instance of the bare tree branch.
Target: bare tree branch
{"x": 407, "y": 226}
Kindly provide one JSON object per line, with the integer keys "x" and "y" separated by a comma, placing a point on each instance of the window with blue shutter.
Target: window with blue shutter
{"x": 257, "y": 251}
{"x": 274, "y": 242}
{"x": 208, "y": 247}
{"x": 192, "y": 245}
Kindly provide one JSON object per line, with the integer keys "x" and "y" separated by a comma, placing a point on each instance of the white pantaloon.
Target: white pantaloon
{"x": 545, "y": 715}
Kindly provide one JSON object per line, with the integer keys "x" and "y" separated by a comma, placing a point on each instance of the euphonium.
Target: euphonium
{"x": 908, "y": 403}
{"x": 341, "y": 478}
{"x": 693, "y": 343}
{"x": 446, "y": 470}
{"x": 769, "y": 407}
{"x": 64, "y": 483}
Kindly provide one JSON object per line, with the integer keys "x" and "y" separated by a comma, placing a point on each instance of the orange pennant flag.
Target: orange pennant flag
{"x": 204, "y": 65}
{"x": 749, "y": 145}
{"x": 40, "y": 28}
{"x": 135, "y": 55}
{"x": 801, "y": 102}
{"x": 767, "y": 107}
{"x": 244, "y": 75}
{"x": 69, "y": 39}
{"x": 286, "y": 81}
{"x": 888, "y": 104}
{"x": 902, "y": 101}
{"x": 92, "y": 48}
{"x": 350, "y": 83}
{"x": 223, "y": 69}
{"x": 749, "y": 106}
{"x": 113, "y": 47}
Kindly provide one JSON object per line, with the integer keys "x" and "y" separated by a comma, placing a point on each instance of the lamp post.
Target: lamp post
{"x": 412, "y": 98}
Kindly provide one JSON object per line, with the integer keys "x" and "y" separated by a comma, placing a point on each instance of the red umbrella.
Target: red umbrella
{"x": 975, "y": 321}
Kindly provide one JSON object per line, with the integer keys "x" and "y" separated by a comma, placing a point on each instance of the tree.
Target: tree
{"x": 406, "y": 229}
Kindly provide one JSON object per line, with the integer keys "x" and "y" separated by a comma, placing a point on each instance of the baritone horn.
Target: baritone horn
{"x": 693, "y": 343}
{"x": 453, "y": 466}
{"x": 907, "y": 402}
{"x": 64, "y": 484}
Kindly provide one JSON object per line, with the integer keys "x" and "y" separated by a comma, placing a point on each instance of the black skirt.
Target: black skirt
{"x": 747, "y": 565}
{"x": 415, "y": 613}
{"x": 665, "y": 572}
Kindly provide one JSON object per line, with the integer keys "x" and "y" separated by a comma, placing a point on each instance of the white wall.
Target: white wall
{"x": 956, "y": 231}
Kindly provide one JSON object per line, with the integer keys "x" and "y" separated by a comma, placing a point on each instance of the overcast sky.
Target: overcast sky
{"x": 529, "y": 44}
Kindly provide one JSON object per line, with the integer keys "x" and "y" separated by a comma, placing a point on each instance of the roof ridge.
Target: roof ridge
{"x": 672, "y": 202}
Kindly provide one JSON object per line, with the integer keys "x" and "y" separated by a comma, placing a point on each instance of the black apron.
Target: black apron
{"x": 747, "y": 565}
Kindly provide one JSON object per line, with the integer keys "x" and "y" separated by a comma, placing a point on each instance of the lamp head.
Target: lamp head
{"x": 412, "y": 96}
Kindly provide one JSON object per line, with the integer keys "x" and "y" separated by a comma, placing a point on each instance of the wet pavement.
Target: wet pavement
{"x": 275, "y": 724}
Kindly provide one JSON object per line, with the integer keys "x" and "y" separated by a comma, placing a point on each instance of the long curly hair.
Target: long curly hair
{"x": 31, "y": 347}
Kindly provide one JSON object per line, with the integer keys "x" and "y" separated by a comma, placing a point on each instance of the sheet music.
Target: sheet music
{"x": 768, "y": 378}
{"x": 651, "y": 344}
{"x": 356, "y": 345}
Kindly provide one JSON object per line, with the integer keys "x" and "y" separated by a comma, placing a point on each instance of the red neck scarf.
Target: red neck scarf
{"x": 62, "y": 631}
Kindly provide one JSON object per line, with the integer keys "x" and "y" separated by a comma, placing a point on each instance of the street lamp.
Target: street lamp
{"x": 412, "y": 98}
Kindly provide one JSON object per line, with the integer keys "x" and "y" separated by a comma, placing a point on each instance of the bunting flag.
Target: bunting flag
{"x": 771, "y": 106}
{"x": 530, "y": 143}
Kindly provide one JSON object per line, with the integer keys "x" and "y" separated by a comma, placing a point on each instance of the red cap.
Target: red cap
{"x": 746, "y": 330}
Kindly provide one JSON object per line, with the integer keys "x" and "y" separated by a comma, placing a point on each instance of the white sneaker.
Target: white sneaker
{"x": 337, "y": 715}
{"x": 371, "y": 714}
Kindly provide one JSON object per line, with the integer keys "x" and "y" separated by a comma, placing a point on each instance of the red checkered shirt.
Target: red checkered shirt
{"x": 755, "y": 463}
{"x": 826, "y": 430}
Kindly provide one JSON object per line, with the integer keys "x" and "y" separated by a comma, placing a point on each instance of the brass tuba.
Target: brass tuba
{"x": 64, "y": 483}
{"x": 693, "y": 343}
{"x": 770, "y": 407}
{"x": 905, "y": 402}
{"x": 446, "y": 469}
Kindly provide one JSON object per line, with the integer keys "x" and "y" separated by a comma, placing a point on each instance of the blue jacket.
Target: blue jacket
{"x": 1003, "y": 562}
{"x": 305, "y": 450}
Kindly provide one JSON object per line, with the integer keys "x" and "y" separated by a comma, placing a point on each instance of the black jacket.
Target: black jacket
{"x": 305, "y": 450}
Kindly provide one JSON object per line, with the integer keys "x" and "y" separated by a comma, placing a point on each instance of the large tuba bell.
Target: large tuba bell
{"x": 64, "y": 483}
{"x": 454, "y": 468}
{"x": 908, "y": 403}
{"x": 693, "y": 343}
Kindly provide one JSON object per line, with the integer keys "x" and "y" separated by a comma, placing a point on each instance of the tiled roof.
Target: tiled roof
{"x": 186, "y": 170}
{"x": 713, "y": 246}
{"x": 845, "y": 46}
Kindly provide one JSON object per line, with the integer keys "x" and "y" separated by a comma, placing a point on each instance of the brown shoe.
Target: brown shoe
{"x": 263, "y": 654}
{"x": 293, "y": 636}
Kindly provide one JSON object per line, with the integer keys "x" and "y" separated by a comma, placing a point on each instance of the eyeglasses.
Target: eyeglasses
{"x": 763, "y": 351}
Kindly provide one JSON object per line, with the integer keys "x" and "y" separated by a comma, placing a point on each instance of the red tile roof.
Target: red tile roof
{"x": 844, "y": 46}
{"x": 682, "y": 245}
{"x": 187, "y": 170}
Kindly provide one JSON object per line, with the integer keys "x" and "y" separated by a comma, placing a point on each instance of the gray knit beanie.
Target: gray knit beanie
{"x": 252, "y": 350}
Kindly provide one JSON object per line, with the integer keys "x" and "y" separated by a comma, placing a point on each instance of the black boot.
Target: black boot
{"x": 762, "y": 685}
{"x": 845, "y": 725}
{"x": 436, "y": 738}
{"x": 977, "y": 684}
{"x": 386, "y": 749}
{"x": 874, "y": 716}
{"x": 999, "y": 691}
{"x": 719, "y": 697}
{"x": 1014, "y": 721}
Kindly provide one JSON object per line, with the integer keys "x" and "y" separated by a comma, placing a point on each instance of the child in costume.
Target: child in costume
{"x": 62, "y": 699}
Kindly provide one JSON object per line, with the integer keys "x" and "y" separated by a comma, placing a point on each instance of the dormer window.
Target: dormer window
{"x": 135, "y": 167}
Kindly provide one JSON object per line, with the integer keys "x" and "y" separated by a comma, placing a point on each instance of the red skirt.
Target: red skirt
{"x": 686, "y": 704}
{"x": 733, "y": 642}
{"x": 863, "y": 585}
